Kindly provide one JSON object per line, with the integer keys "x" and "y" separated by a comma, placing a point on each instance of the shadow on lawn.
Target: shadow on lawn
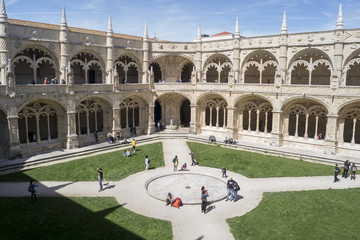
{"x": 59, "y": 217}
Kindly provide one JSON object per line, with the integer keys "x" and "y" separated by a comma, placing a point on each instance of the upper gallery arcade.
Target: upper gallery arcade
{"x": 298, "y": 89}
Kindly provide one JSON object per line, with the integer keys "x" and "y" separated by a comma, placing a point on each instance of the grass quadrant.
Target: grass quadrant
{"x": 76, "y": 218}
{"x": 321, "y": 214}
{"x": 115, "y": 166}
{"x": 255, "y": 165}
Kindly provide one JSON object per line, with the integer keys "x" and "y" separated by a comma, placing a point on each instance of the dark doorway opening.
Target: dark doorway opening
{"x": 91, "y": 76}
{"x": 185, "y": 113}
{"x": 157, "y": 111}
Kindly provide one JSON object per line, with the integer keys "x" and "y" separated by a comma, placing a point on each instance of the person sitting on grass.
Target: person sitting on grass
{"x": 128, "y": 153}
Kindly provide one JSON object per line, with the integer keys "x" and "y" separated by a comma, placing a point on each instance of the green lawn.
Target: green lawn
{"x": 322, "y": 214}
{"x": 255, "y": 165}
{"x": 114, "y": 165}
{"x": 76, "y": 218}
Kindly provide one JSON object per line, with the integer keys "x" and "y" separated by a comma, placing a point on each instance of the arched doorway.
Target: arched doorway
{"x": 173, "y": 109}
{"x": 185, "y": 113}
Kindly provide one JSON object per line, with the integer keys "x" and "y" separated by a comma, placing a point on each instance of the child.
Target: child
{"x": 128, "y": 153}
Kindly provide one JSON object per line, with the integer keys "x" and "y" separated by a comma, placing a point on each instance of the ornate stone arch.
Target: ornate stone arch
{"x": 213, "y": 57}
{"x": 95, "y": 55}
{"x": 305, "y": 66}
{"x": 351, "y": 72}
{"x": 39, "y": 58}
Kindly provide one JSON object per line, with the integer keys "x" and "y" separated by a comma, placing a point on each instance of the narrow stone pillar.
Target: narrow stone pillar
{"x": 257, "y": 121}
{"x": 330, "y": 137}
{"x": 230, "y": 122}
{"x": 151, "y": 123}
{"x": 72, "y": 141}
{"x": 307, "y": 126}
{"x": 13, "y": 151}
{"x": 116, "y": 120}
{"x": 276, "y": 132}
{"x": 146, "y": 52}
{"x": 193, "y": 121}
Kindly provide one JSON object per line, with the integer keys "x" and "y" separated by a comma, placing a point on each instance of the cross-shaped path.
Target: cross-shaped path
{"x": 188, "y": 222}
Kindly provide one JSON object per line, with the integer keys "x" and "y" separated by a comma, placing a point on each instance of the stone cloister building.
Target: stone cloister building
{"x": 281, "y": 90}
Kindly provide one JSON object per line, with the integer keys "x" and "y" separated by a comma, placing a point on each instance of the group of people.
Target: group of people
{"x": 160, "y": 126}
{"x": 129, "y": 152}
{"x": 113, "y": 139}
{"x": 229, "y": 141}
{"x": 232, "y": 190}
{"x": 212, "y": 138}
{"x": 347, "y": 166}
{"x": 175, "y": 202}
{"x": 52, "y": 81}
{"x": 184, "y": 166}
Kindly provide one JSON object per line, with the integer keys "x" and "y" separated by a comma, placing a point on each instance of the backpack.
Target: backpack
{"x": 174, "y": 160}
{"x": 29, "y": 188}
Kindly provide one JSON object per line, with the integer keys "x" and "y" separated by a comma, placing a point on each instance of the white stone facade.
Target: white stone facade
{"x": 284, "y": 89}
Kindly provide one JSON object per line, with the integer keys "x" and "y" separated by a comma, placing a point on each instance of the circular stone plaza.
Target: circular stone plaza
{"x": 66, "y": 91}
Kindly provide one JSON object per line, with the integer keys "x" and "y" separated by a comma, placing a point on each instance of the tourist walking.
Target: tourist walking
{"x": 230, "y": 189}
{"x": 336, "y": 172}
{"x": 236, "y": 189}
{"x": 100, "y": 178}
{"x": 224, "y": 173}
{"x": 147, "y": 161}
{"x": 346, "y": 168}
{"x": 353, "y": 171}
{"x": 133, "y": 144}
{"x": 32, "y": 190}
{"x": 204, "y": 195}
{"x": 193, "y": 162}
{"x": 176, "y": 162}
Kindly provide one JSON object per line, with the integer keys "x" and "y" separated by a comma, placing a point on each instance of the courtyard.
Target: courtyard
{"x": 270, "y": 205}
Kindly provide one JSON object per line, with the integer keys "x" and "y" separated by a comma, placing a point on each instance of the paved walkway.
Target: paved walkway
{"x": 188, "y": 222}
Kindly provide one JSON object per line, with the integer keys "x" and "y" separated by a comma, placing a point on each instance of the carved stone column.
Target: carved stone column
{"x": 330, "y": 138}
{"x": 4, "y": 44}
{"x": 276, "y": 132}
{"x": 230, "y": 122}
{"x": 151, "y": 123}
{"x": 13, "y": 151}
{"x": 146, "y": 52}
{"x": 116, "y": 120}
{"x": 283, "y": 57}
{"x": 72, "y": 141}
{"x": 109, "y": 53}
{"x": 64, "y": 48}
{"x": 193, "y": 119}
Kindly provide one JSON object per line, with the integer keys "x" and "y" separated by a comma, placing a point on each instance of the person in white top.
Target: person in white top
{"x": 147, "y": 161}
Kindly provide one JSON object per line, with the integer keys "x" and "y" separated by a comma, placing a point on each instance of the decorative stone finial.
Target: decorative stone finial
{"x": 340, "y": 20}
{"x": 146, "y": 35}
{"x": 3, "y": 15}
{"x": 237, "y": 31}
{"x": 63, "y": 18}
{"x": 284, "y": 25}
{"x": 110, "y": 29}
{"x": 198, "y": 36}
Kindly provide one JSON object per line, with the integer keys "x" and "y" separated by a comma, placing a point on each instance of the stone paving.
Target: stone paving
{"x": 188, "y": 222}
